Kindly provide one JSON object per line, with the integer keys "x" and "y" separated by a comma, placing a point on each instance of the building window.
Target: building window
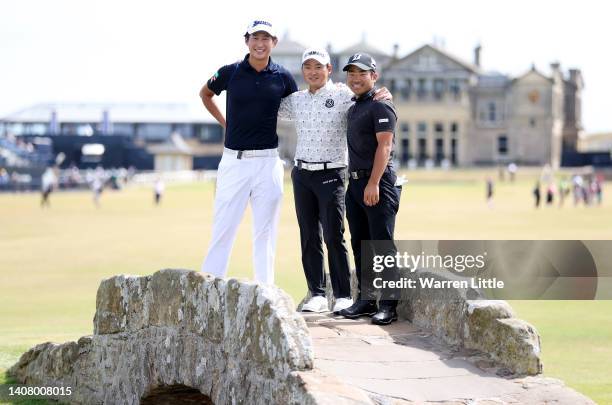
{"x": 210, "y": 133}
{"x": 421, "y": 89}
{"x": 154, "y": 131}
{"x": 185, "y": 130}
{"x": 422, "y": 150}
{"x": 422, "y": 129}
{"x": 392, "y": 86}
{"x": 502, "y": 145}
{"x": 454, "y": 129}
{"x": 439, "y": 150}
{"x": 405, "y": 128}
{"x": 406, "y": 89}
{"x": 439, "y": 128}
{"x": 73, "y": 128}
{"x": 36, "y": 129}
{"x": 124, "y": 129}
{"x": 453, "y": 151}
{"x": 454, "y": 88}
{"x": 438, "y": 88}
{"x": 492, "y": 112}
{"x": 405, "y": 156}
{"x": 14, "y": 128}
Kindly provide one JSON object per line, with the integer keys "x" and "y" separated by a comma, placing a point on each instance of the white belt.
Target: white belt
{"x": 318, "y": 166}
{"x": 241, "y": 154}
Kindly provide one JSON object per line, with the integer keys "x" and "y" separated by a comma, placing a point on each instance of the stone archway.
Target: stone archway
{"x": 182, "y": 335}
{"x": 175, "y": 395}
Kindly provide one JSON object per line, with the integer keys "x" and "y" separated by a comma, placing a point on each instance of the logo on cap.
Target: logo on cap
{"x": 260, "y": 22}
{"x": 260, "y": 25}
{"x": 361, "y": 60}
{"x": 318, "y": 54}
{"x": 312, "y": 53}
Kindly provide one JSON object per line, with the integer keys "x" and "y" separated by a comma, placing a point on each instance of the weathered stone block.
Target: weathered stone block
{"x": 233, "y": 341}
{"x": 459, "y": 318}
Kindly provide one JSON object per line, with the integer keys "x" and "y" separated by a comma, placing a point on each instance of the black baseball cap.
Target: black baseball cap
{"x": 362, "y": 60}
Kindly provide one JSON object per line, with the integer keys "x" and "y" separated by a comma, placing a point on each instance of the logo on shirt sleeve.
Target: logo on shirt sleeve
{"x": 383, "y": 120}
{"x": 214, "y": 77}
{"x": 329, "y": 103}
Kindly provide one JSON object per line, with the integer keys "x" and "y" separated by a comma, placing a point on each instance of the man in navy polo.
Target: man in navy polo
{"x": 372, "y": 197}
{"x": 250, "y": 168}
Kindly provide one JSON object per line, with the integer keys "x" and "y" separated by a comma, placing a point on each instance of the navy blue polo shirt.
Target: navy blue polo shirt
{"x": 365, "y": 119}
{"x": 253, "y": 99}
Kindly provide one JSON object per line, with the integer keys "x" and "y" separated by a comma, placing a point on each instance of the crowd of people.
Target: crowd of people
{"x": 585, "y": 188}
{"x": 16, "y": 151}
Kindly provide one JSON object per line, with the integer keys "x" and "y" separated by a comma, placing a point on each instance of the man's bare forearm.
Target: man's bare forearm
{"x": 381, "y": 159}
{"x": 209, "y": 103}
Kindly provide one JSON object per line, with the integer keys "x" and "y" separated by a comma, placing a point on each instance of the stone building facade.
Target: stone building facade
{"x": 454, "y": 113}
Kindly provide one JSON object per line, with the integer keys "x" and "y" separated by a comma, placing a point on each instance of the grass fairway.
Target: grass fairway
{"x": 52, "y": 260}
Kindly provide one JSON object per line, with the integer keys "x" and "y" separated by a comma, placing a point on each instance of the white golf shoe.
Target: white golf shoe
{"x": 342, "y": 303}
{"x": 316, "y": 304}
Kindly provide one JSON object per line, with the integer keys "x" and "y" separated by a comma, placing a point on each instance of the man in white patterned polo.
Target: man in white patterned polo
{"x": 319, "y": 114}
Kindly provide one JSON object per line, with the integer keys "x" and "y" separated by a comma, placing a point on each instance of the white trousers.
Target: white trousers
{"x": 260, "y": 180}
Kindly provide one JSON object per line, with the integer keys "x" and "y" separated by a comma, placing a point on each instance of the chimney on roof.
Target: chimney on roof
{"x": 477, "y": 55}
{"x": 555, "y": 67}
{"x": 395, "y": 51}
{"x": 575, "y": 76}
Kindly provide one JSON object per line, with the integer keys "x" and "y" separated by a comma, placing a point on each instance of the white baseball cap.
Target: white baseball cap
{"x": 261, "y": 25}
{"x": 318, "y": 54}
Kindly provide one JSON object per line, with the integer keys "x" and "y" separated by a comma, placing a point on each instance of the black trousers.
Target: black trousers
{"x": 372, "y": 223}
{"x": 319, "y": 205}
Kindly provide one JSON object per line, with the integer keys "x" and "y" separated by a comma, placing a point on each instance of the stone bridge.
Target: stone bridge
{"x": 179, "y": 336}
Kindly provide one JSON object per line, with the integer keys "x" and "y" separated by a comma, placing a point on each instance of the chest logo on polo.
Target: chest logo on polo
{"x": 329, "y": 103}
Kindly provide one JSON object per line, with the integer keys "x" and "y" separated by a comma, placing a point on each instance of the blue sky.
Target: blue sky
{"x": 163, "y": 51}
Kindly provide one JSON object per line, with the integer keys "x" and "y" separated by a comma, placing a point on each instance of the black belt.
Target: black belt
{"x": 360, "y": 174}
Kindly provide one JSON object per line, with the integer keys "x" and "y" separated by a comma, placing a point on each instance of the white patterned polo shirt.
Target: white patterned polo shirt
{"x": 320, "y": 122}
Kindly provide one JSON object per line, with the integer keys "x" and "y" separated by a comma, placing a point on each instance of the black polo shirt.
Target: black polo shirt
{"x": 253, "y": 99}
{"x": 365, "y": 119}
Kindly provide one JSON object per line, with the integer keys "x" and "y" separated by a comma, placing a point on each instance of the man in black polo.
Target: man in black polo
{"x": 250, "y": 169}
{"x": 372, "y": 198}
